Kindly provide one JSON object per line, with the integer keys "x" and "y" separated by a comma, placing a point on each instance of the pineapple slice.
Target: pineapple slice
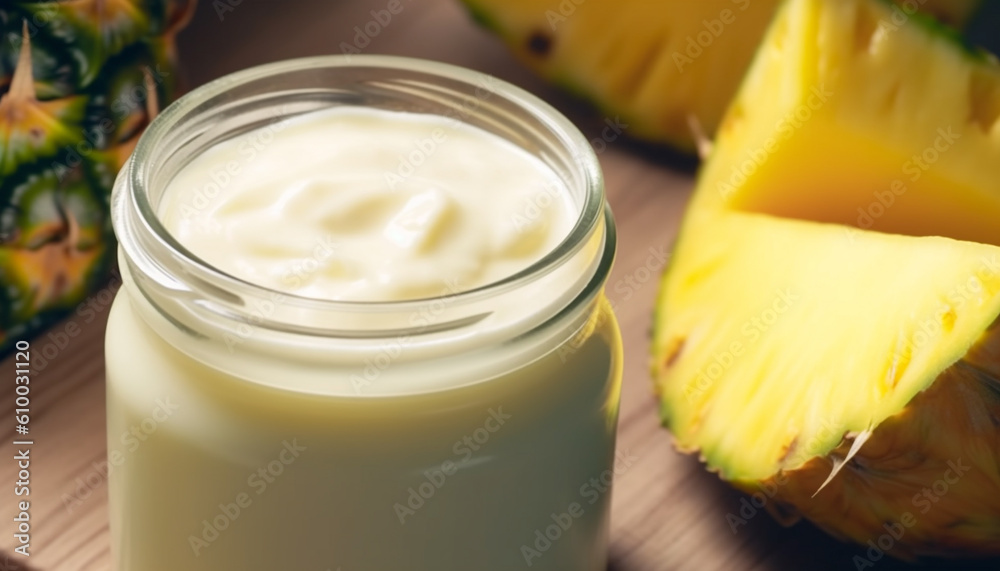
{"x": 656, "y": 66}
{"x": 730, "y": 387}
{"x": 847, "y": 364}
{"x": 787, "y": 350}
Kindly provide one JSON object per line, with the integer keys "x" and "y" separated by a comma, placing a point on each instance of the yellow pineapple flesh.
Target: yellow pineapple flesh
{"x": 847, "y": 363}
{"x": 656, "y": 65}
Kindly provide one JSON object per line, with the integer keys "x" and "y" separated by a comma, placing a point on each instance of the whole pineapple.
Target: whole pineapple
{"x": 79, "y": 80}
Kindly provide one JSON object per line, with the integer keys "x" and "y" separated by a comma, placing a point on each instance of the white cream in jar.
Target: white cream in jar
{"x": 369, "y": 336}
{"x": 368, "y": 205}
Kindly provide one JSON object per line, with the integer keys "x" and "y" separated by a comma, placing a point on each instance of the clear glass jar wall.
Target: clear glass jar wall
{"x": 251, "y": 429}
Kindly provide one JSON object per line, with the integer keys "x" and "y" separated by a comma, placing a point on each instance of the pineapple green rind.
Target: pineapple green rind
{"x": 66, "y": 127}
{"x": 48, "y": 128}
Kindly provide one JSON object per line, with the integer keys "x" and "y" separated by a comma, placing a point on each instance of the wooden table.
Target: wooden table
{"x": 668, "y": 512}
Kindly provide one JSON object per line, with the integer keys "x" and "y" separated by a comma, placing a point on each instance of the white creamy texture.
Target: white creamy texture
{"x": 360, "y": 204}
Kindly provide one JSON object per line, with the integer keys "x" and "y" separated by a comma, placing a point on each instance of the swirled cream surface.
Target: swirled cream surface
{"x": 360, "y": 204}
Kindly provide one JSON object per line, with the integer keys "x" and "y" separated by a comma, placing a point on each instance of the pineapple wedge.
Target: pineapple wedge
{"x": 825, "y": 329}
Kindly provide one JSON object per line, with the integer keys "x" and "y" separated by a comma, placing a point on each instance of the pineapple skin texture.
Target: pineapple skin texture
{"x": 928, "y": 476}
{"x": 68, "y": 121}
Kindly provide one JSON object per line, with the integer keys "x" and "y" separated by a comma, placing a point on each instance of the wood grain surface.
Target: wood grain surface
{"x": 669, "y": 514}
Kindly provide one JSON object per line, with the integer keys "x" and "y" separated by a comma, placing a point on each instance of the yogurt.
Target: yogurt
{"x": 368, "y": 337}
{"x": 368, "y": 205}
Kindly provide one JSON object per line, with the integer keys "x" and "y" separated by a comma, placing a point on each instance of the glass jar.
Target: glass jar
{"x": 250, "y": 429}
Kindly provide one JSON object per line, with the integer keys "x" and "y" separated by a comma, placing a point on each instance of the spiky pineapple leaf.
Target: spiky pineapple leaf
{"x": 125, "y": 96}
{"x": 35, "y": 208}
{"x": 53, "y": 276}
{"x": 29, "y": 128}
{"x": 53, "y": 231}
{"x": 54, "y": 76}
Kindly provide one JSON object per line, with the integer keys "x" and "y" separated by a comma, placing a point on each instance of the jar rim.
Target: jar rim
{"x": 591, "y": 214}
{"x": 185, "y": 298}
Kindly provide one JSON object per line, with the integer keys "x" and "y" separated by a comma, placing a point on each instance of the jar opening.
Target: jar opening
{"x": 182, "y": 285}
